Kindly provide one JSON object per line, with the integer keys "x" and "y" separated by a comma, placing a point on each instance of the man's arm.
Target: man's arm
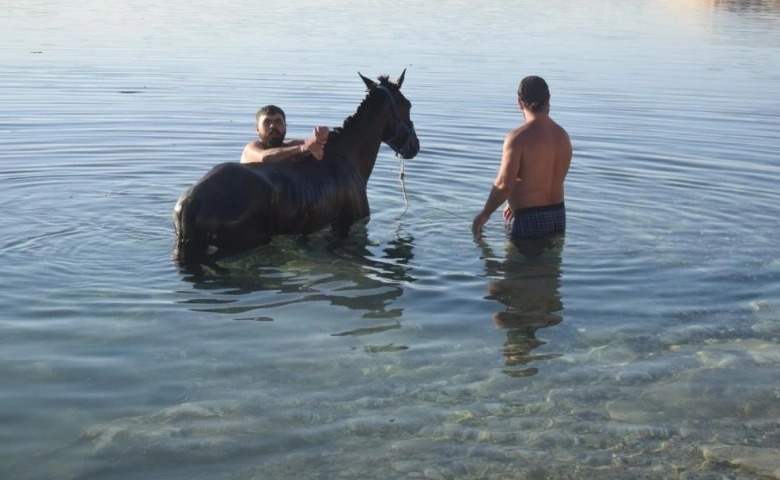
{"x": 254, "y": 153}
{"x": 504, "y": 182}
{"x": 293, "y": 150}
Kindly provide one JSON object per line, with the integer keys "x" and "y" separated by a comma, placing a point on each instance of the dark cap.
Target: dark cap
{"x": 533, "y": 92}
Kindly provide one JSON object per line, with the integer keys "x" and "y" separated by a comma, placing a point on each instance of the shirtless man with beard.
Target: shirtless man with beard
{"x": 271, "y": 126}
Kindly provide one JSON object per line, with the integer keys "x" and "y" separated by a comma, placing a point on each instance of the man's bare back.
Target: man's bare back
{"x": 543, "y": 152}
{"x": 535, "y": 160}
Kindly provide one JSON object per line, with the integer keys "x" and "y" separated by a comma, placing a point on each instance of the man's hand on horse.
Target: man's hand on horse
{"x": 314, "y": 147}
{"x": 321, "y": 134}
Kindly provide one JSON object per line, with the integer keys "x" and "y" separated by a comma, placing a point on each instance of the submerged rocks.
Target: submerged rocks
{"x": 761, "y": 461}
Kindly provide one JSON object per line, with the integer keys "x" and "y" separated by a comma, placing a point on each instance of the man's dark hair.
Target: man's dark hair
{"x": 534, "y": 93}
{"x": 270, "y": 110}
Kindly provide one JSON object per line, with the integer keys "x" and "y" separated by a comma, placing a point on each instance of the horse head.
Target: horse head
{"x": 399, "y": 132}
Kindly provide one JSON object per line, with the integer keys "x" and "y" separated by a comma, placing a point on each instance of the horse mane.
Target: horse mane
{"x": 336, "y": 133}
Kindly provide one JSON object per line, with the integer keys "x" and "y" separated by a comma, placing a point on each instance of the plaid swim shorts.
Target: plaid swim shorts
{"x": 536, "y": 223}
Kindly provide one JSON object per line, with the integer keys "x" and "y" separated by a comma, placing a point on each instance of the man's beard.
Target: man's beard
{"x": 273, "y": 139}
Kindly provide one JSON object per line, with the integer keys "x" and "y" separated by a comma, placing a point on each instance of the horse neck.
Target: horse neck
{"x": 362, "y": 136}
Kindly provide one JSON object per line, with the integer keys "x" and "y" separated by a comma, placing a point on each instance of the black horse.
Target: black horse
{"x": 236, "y": 207}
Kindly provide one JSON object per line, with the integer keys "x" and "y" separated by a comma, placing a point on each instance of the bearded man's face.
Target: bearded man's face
{"x": 271, "y": 130}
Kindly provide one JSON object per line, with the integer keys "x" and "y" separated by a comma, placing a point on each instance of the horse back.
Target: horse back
{"x": 238, "y": 206}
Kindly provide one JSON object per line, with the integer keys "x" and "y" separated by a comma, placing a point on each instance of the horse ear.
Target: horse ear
{"x": 400, "y": 80}
{"x": 369, "y": 83}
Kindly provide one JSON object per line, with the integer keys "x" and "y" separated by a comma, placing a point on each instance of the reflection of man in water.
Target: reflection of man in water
{"x": 534, "y": 165}
{"x": 529, "y": 290}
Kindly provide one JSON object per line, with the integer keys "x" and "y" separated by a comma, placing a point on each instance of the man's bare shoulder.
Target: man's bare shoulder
{"x": 519, "y": 130}
{"x": 559, "y": 127}
{"x": 562, "y": 135}
{"x": 254, "y": 145}
{"x": 517, "y": 136}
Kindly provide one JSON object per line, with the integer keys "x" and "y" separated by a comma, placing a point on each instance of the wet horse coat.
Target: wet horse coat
{"x": 236, "y": 207}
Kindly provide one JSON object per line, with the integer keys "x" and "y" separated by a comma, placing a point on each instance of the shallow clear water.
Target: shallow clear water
{"x": 645, "y": 345}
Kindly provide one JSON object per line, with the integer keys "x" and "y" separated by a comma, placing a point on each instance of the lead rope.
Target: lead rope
{"x": 402, "y": 180}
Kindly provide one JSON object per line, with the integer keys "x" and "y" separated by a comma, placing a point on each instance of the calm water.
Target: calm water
{"x": 644, "y": 346}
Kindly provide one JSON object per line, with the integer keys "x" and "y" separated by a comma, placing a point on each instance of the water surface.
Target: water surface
{"x": 644, "y": 345}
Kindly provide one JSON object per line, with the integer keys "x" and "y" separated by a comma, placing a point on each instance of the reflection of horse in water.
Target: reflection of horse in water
{"x": 528, "y": 286}
{"x": 349, "y": 273}
{"x": 236, "y": 207}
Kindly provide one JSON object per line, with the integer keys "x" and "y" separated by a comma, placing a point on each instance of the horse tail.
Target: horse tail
{"x": 191, "y": 241}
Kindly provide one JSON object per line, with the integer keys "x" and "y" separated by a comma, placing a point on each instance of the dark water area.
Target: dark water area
{"x": 644, "y": 345}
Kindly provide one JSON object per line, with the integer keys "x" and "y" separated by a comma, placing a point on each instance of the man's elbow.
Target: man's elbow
{"x": 502, "y": 187}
